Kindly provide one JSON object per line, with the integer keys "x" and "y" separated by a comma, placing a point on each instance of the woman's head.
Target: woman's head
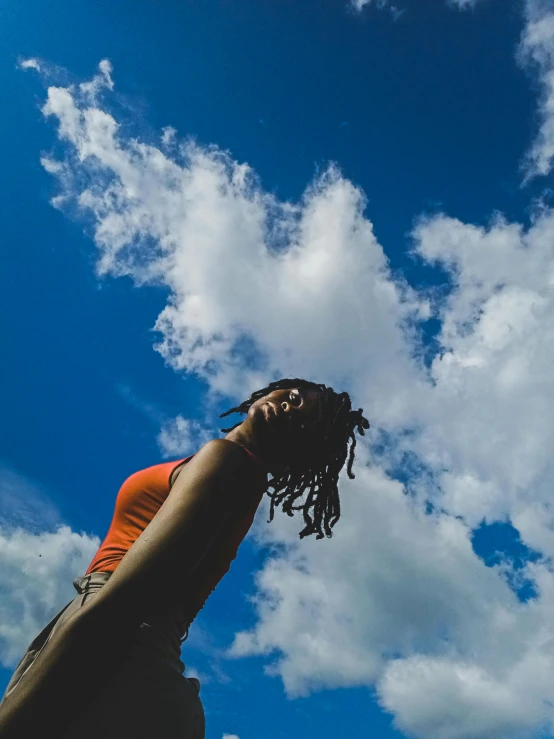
{"x": 303, "y": 429}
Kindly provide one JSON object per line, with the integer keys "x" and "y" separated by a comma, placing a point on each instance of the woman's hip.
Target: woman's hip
{"x": 147, "y": 695}
{"x": 142, "y": 702}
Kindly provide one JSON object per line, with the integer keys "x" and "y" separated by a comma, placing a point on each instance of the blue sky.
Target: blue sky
{"x": 391, "y": 235}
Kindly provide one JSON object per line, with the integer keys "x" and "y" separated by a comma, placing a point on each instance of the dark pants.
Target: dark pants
{"x": 147, "y": 697}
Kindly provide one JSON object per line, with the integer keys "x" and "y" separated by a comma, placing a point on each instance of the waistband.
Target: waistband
{"x": 159, "y": 639}
{"x": 94, "y": 581}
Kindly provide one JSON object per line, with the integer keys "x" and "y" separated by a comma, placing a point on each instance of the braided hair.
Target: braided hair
{"x": 317, "y": 465}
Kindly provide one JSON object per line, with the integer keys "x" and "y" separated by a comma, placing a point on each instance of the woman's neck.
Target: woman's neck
{"x": 241, "y": 436}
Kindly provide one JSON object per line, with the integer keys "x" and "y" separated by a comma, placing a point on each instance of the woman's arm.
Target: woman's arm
{"x": 92, "y": 641}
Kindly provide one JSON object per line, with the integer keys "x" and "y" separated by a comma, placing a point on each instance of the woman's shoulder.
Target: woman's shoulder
{"x": 227, "y": 449}
{"x": 223, "y": 448}
{"x": 218, "y": 455}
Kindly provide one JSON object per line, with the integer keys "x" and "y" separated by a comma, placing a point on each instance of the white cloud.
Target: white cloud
{"x": 102, "y": 80}
{"x": 414, "y": 587}
{"x": 169, "y": 135}
{"x": 397, "y": 12}
{"x": 24, "y": 504}
{"x": 37, "y": 566}
{"x": 394, "y": 580}
{"x": 487, "y": 423}
{"x": 359, "y": 5}
{"x": 230, "y": 736}
{"x": 200, "y": 225}
{"x": 193, "y": 672}
{"x": 442, "y": 698}
{"x": 180, "y": 437}
{"x": 463, "y": 4}
{"x": 36, "y": 572}
{"x": 398, "y": 599}
{"x": 30, "y": 64}
{"x": 537, "y": 52}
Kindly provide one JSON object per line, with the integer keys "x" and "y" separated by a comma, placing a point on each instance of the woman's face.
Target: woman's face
{"x": 282, "y": 420}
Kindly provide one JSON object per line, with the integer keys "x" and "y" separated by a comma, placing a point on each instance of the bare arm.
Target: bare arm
{"x": 92, "y": 641}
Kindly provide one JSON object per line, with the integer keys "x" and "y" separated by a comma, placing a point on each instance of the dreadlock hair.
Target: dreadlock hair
{"x": 316, "y": 467}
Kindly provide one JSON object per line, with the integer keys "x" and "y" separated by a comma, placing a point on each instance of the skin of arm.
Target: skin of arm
{"x": 89, "y": 645}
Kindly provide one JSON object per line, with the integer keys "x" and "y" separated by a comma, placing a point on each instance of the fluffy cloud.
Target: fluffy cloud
{"x": 30, "y": 64}
{"x": 398, "y": 599}
{"x": 338, "y": 613}
{"x": 178, "y": 436}
{"x": 37, "y": 566}
{"x": 441, "y": 698}
{"x": 487, "y": 423}
{"x": 537, "y": 52}
{"x": 181, "y": 437}
{"x": 199, "y": 224}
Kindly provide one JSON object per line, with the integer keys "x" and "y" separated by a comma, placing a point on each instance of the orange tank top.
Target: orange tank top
{"x": 139, "y": 499}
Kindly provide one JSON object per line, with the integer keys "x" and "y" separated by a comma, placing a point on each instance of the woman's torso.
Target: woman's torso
{"x": 142, "y": 495}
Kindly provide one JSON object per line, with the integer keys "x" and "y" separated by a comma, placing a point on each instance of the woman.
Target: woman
{"x": 109, "y": 665}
